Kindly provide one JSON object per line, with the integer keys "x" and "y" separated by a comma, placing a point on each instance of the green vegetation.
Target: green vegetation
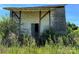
{"x": 50, "y": 42}
{"x": 48, "y": 49}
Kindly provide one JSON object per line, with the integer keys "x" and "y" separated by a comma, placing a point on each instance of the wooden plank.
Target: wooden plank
{"x": 45, "y": 14}
{"x": 14, "y": 13}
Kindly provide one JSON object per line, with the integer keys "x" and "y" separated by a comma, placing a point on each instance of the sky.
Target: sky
{"x": 71, "y": 11}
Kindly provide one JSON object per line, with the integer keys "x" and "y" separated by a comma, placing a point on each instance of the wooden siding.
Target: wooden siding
{"x": 57, "y": 17}
{"x": 58, "y": 20}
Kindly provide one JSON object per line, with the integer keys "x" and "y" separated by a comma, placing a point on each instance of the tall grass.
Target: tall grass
{"x": 48, "y": 49}
{"x": 31, "y": 48}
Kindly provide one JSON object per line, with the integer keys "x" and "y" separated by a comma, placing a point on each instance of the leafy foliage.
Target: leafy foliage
{"x": 7, "y": 28}
{"x": 72, "y": 26}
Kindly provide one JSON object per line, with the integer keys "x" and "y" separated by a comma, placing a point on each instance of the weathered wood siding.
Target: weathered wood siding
{"x": 28, "y": 17}
{"x": 57, "y": 17}
{"x": 58, "y": 20}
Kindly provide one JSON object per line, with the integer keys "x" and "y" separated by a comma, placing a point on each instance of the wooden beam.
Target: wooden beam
{"x": 14, "y": 14}
{"x": 45, "y": 14}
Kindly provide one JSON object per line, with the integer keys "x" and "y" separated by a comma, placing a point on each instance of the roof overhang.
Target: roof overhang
{"x": 44, "y": 8}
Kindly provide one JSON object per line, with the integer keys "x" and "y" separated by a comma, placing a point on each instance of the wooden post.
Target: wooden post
{"x": 39, "y": 21}
{"x": 11, "y": 20}
{"x": 19, "y": 23}
{"x": 49, "y": 19}
{"x": 11, "y": 15}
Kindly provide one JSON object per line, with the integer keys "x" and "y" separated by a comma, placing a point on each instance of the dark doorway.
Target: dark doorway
{"x": 35, "y": 30}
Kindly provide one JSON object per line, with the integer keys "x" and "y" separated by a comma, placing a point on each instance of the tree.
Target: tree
{"x": 72, "y": 26}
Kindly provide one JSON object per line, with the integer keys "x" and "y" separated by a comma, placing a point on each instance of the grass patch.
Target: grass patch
{"x": 48, "y": 49}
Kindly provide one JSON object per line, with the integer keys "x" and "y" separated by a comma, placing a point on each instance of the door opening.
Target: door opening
{"x": 35, "y": 29}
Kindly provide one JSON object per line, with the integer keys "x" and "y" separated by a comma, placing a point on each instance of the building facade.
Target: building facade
{"x": 34, "y": 20}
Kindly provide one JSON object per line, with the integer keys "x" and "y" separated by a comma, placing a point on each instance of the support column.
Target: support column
{"x": 11, "y": 20}
{"x": 49, "y": 20}
{"x": 11, "y": 15}
{"x": 39, "y": 21}
{"x": 19, "y": 23}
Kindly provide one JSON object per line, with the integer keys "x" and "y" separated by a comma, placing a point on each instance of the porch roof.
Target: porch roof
{"x": 36, "y": 8}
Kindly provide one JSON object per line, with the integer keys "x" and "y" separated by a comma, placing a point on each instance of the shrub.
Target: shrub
{"x": 7, "y": 28}
{"x": 50, "y": 35}
{"x": 72, "y": 26}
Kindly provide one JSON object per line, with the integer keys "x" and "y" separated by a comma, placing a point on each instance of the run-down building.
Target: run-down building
{"x": 34, "y": 20}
